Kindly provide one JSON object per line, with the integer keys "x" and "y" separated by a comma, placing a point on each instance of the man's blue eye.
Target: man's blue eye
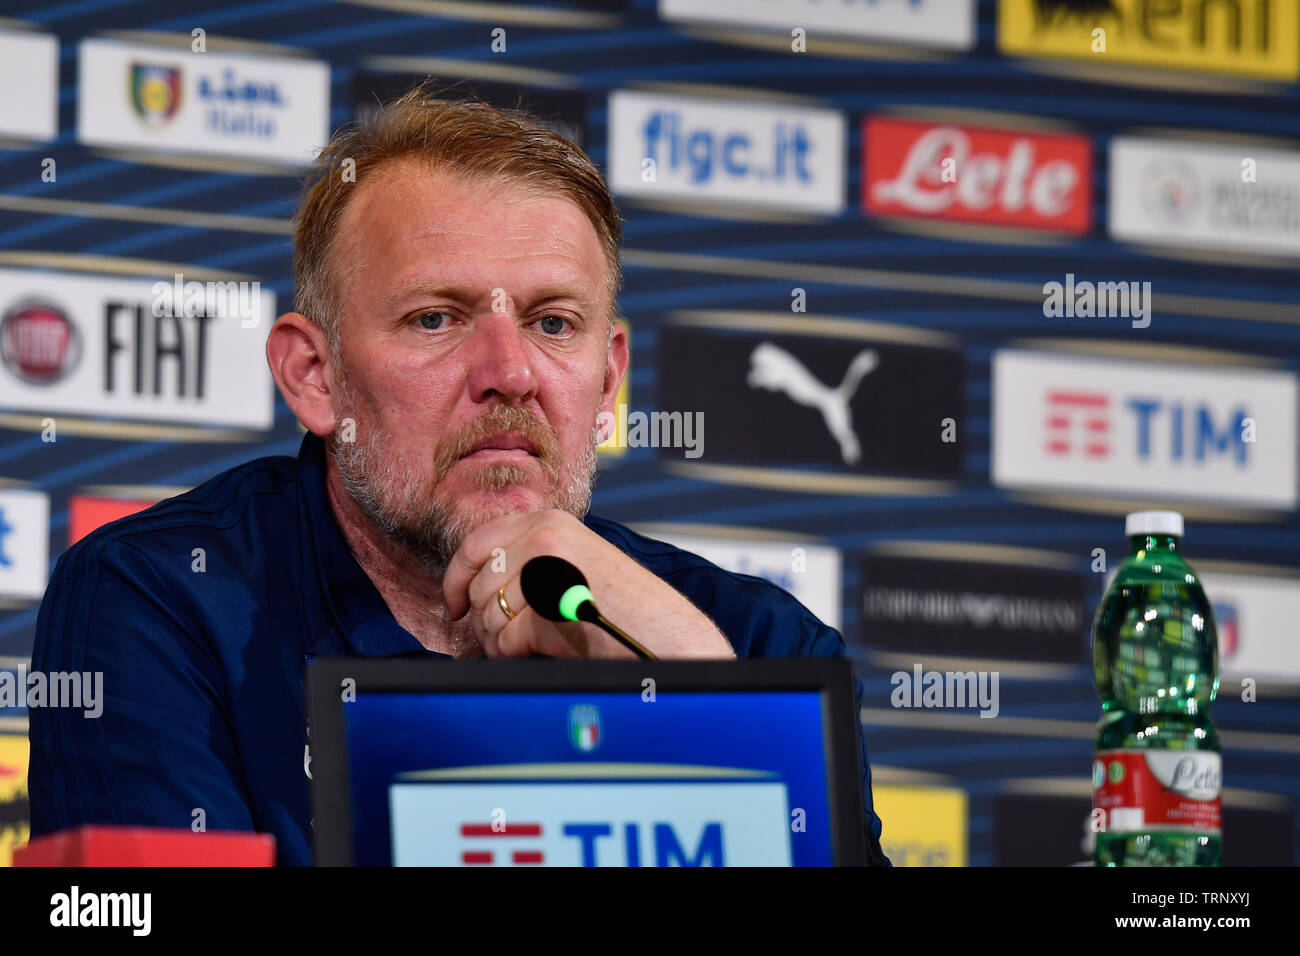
{"x": 552, "y": 324}
{"x": 431, "y": 320}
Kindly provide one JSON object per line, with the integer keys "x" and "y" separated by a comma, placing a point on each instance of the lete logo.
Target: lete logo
{"x": 972, "y": 174}
{"x": 1196, "y": 776}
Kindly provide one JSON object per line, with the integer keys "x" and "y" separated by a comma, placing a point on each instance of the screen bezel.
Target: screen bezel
{"x": 831, "y": 678}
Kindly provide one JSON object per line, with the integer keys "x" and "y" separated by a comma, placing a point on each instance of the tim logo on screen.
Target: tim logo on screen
{"x": 501, "y": 843}
{"x": 155, "y": 93}
{"x": 591, "y": 814}
{"x": 600, "y": 844}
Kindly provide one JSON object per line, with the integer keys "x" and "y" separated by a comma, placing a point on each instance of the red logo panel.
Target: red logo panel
{"x": 977, "y": 174}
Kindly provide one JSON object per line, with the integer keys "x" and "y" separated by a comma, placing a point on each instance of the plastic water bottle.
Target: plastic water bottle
{"x": 1156, "y": 772}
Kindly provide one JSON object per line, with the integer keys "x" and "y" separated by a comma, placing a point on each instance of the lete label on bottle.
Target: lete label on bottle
{"x": 1148, "y": 790}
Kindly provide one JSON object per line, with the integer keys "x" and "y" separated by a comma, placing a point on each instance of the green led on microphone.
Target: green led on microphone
{"x": 572, "y": 598}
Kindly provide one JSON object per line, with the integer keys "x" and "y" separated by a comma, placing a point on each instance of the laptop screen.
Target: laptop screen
{"x": 647, "y": 775}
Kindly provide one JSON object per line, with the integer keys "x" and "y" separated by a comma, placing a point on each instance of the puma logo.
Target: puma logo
{"x": 776, "y": 370}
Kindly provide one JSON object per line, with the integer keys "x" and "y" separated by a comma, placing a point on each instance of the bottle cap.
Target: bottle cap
{"x": 1154, "y": 522}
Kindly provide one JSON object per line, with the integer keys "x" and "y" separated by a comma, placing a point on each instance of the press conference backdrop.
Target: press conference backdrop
{"x": 1028, "y": 275}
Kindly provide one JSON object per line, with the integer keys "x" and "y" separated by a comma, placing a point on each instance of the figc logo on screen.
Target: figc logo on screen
{"x": 584, "y": 727}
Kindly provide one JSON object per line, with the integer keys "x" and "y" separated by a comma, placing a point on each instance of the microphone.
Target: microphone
{"x": 557, "y": 591}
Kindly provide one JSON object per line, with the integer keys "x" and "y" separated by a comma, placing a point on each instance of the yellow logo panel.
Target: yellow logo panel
{"x": 1256, "y": 38}
{"x": 14, "y": 818}
{"x": 923, "y": 826}
{"x": 614, "y": 445}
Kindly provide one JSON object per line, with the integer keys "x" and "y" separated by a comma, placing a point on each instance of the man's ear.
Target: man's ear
{"x": 298, "y": 354}
{"x": 615, "y": 367}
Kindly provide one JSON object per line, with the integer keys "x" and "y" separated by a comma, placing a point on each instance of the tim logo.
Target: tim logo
{"x": 1176, "y": 431}
{"x": 584, "y": 727}
{"x": 1078, "y": 423}
{"x": 155, "y": 93}
{"x": 598, "y": 844}
{"x": 505, "y": 842}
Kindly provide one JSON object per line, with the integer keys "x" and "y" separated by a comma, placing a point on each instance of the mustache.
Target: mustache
{"x": 498, "y": 419}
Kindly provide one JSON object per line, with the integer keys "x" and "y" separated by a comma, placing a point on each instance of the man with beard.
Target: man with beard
{"x": 452, "y": 354}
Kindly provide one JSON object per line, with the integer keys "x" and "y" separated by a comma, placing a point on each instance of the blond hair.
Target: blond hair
{"x": 467, "y": 138}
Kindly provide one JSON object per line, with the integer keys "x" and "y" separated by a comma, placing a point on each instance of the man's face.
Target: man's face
{"x": 475, "y": 354}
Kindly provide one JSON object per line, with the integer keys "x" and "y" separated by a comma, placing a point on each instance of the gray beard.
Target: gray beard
{"x": 408, "y": 512}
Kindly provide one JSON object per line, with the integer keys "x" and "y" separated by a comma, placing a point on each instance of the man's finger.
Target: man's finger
{"x": 474, "y": 552}
{"x": 529, "y": 633}
{"x": 487, "y": 585}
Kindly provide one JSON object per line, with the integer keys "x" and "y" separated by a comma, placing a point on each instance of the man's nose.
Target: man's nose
{"x": 498, "y": 359}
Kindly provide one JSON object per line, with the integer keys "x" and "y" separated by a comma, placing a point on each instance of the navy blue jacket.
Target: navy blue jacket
{"x": 203, "y": 697}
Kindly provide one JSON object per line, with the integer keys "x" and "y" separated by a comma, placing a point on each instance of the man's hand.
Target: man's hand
{"x": 639, "y": 602}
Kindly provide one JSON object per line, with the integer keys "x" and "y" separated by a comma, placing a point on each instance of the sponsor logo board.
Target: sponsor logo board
{"x": 941, "y": 23}
{"x": 699, "y": 823}
{"x": 1208, "y": 196}
{"x": 681, "y": 147}
{"x": 615, "y": 444}
{"x": 1152, "y": 430}
{"x": 810, "y": 572}
{"x": 824, "y": 402}
{"x": 29, "y": 85}
{"x": 89, "y": 512}
{"x": 972, "y": 609}
{"x": 965, "y": 173}
{"x": 15, "y": 815}
{"x": 24, "y": 542}
{"x": 923, "y": 826}
{"x": 92, "y": 345}
{"x": 1256, "y": 619}
{"x": 1256, "y": 38}
{"x": 133, "y": 95}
